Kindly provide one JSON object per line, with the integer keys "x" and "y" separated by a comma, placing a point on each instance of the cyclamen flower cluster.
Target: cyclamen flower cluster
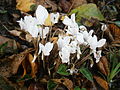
{"x": 67, "y": 44}
{"x": 77, "y": 35}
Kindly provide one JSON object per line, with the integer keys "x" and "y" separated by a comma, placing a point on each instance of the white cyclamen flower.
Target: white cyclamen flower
{"x": 45, "y": 49}
{"x": 63, "y": 41}
{"x": 70, "y": 22}
{"x": 44, "y": 32}
{"x": 94, "y": 43}
{"x": 65, "y": 54}
{"x": 86, "y": 36}
{"x": 41, "y": 14}
{"x": 54, "y": 17}
{"x": 29, "y": 24}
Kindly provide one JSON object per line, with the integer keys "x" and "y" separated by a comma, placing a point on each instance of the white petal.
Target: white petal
{"x": 47, "y": 49}
{"x": 41, "y": 14}
{"x": 83, "y": 28}
{"x": 79, "y": 38}
{"x": 67, "y": 21}
{"x": 54, "y": 17}
{"x": 73, "y": 18}
{"x": 41, "y": 46}
{"x": 101, "y": 42}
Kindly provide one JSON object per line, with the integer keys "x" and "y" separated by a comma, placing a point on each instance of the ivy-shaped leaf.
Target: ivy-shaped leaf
{"x": 87, "y": 11}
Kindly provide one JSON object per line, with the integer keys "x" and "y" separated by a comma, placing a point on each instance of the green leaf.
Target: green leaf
{"x": 115, "y": 71}
{"x": 77, "y": 88}
{"x": 3, "y": 11}
{"x": 25, "y": 78}
{"x": 86, "y": 73}
{"x": 51, "y": 85}
{"x": 117, "y": 23}
{"x": 63, "y": 70}
{"x": 87, "y": 11}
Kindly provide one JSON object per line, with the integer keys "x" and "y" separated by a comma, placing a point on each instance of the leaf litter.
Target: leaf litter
{"x": 43, "y": 60}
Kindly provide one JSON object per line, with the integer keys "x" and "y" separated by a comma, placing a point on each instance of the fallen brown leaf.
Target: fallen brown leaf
{"x": 10, "y": 65}
{"x": 101, "y": 82}
{"x": 68, "y": 83}
{"x": 33, "y": 66}
{"x": 115, "y": 31}
{"x": 65, "y": 5}
{"x": 24, "y": 5}
{"x": 103, "y": 65}
{"x": 36, "y": 86}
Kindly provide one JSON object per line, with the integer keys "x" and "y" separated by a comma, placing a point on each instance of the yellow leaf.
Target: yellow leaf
{"x": 24, "y": 5}
{"x": 48, "y": 21}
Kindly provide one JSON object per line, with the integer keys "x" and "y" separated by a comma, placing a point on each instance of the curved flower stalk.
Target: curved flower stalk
{"x": 44, "y": 32}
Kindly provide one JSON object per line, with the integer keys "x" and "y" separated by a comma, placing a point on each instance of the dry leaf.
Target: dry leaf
{"x": 65, "y": 5}
{"x": 115, "y": 31}
{"x": 11, "y": 43}
{"x": 101, "y": 82}
{"x": 33, "y": 66}
{"x": 15, "y": 32}
{"x": 36, "y": 86}
{"x": 68, "y": 83}
{"x": 54, "y": 39}
{"x": 47, "y": 4}
{"x": 77, "y": 3}
{"x": 103, "y": 65}
{"x": 10, "y": 65}
{"x": 24, "y": 5}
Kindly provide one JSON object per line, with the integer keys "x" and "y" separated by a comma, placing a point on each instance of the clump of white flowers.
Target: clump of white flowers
{"x": 69, "y": 43}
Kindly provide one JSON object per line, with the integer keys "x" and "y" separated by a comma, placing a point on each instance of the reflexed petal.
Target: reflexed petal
{"x": 101, "y": 42}
{"x": 67, "y": 21}
{"x": 47, "y": 48}
{"x": 41, "y": 14}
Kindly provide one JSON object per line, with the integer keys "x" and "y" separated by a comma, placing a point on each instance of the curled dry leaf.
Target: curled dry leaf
{"x": 68, "y": 83}
{"x": 28, "y": 63}
{"x": 10, "y": 65}
{"x": 103, "y": 65}
{"x": 101, "y": 82}
{"x": 33, "y": 66}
